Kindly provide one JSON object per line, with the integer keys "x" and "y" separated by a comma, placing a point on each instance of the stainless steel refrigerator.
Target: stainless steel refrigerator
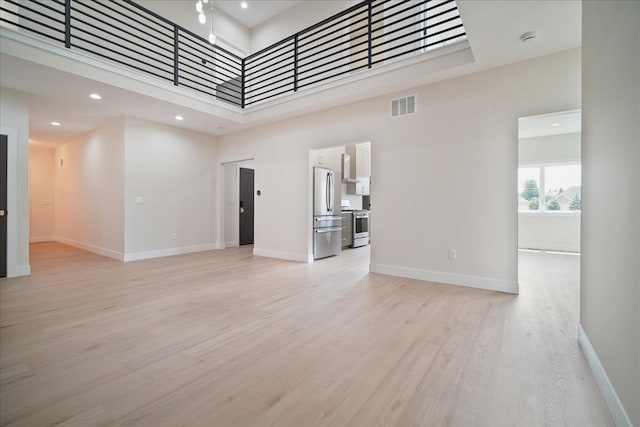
{"x": 327, "y": 221}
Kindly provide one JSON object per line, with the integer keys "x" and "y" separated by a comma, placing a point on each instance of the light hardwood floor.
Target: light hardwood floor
{"x": 225, "y": 338}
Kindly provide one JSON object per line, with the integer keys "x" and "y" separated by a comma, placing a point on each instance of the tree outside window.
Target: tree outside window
{"x": 550, "y": 188}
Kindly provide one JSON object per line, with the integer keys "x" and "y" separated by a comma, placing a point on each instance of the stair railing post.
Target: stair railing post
{"x": 369, "y": 33}
{"x": 67, "y": 24}
{"x": 175, "y": 54}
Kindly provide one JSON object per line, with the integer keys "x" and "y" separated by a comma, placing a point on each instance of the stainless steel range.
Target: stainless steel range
{"x": 360, "y": 228}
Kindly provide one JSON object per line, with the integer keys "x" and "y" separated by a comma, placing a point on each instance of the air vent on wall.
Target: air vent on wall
{"x": 403, "y": 106}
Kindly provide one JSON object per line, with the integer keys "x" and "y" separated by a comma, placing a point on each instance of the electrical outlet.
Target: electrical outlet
{"x": 453, "y": 254}
{"x": 139, "y": 200}
{"x": 173, "y": 236}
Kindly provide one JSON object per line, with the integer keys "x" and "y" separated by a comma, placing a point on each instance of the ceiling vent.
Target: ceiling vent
{"x": 403, "y": 106}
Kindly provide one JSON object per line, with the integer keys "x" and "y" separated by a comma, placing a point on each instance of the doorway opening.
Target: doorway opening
{"x": 246, "y": 213}
{"x": 349, "y": 169}
{"x": 549, "y": 206}
{"x": 238, "y": 203}
{"x": 4, "y": 151}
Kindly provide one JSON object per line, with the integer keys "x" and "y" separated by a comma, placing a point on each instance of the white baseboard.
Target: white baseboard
{"x": 448, "y": 278}
{"x": 137, "y": 256}
{"x": 231, "y": 244}
{"x": 39, "y": 239}
{"x": 619, "y": 415}
{"x": 91, "y": 248}
{"x": 22, "y": 270}
{"x": 547, "y": 247}
{"x": 289, "y": 256}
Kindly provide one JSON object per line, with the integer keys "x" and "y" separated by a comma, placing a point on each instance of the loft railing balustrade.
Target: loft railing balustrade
{"x": 370, "y": 33}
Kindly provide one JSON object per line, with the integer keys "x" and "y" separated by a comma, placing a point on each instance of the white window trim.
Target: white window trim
{"x": 541, "y": 167}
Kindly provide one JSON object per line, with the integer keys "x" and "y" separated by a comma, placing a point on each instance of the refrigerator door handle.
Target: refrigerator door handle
{"x": 330, "y": 191}
{"x": 327, "y": 230}
{"x": 326, "y": 195}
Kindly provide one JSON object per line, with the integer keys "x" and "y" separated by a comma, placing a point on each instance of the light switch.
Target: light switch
{"x": 139, "y": 200}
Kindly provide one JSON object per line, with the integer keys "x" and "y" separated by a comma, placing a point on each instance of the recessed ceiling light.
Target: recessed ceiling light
{"x": 95, "y": 96}
{"x": 244, "y": 5}
{"x": 555, "y": 124}
{"x": 55, "y": 123}
{"x": 179, "y": 118}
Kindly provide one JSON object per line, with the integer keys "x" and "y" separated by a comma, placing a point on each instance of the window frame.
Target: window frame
{"x": 543, "y": 188}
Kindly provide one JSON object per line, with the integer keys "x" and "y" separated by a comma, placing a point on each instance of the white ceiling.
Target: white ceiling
{"x": 65, "y": 99}
{"x": 550, "y": 124}
{"x": 493, "y": 29}
{"x": 258, "y": 12}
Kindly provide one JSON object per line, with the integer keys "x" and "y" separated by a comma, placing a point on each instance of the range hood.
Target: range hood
{"x": 346, "y": 170}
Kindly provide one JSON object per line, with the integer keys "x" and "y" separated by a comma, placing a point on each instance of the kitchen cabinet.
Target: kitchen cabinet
{"x": 363, "y": 162}
{"x": 360, "y": 187}
{"x": 347, "y": 229}
{"x": 329, "y": 158}
{"x": 360, "y": 169}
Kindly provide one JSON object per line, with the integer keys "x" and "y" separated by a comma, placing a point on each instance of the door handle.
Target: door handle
{"x": 3, "y": 212}
{"x": 241, "y": 210}
{"x": 327, "y": 218}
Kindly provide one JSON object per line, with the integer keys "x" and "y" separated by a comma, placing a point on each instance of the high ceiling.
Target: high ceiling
{"x": 493, "y": 29}
{"x": 257, "y": 11}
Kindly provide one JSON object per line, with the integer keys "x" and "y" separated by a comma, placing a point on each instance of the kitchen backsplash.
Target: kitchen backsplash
{"x": 356, "y": 201}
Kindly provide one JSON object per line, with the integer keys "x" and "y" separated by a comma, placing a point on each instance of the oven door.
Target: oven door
{"x": 360, "y": 226}
{"x": 360, "y": 230}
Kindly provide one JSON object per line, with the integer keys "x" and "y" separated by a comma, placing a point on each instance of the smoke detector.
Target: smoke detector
{"x": 530, "y": 35}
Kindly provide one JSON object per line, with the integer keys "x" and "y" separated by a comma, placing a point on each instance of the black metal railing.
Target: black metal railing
{"x": 126, "y": 33}
{"x": 370, "y": 33}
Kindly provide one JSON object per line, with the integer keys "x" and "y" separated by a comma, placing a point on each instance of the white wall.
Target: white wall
{"x": 465, "y": 132}
{"x": 549, "y": 149}
{"x": 89, "y": 191}
{"x": 184, "y": 14}
{"x": 14, "y": 120}
{"x": 298, "y": 17}
{"x": 557, "y": 231}
{"x": 135, "y": 189}
{"x": 172, "y": 171}
{"x": 41, "y": 193}
{"x": 610, "y": 272}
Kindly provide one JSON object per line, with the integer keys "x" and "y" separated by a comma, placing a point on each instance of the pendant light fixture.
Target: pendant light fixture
{"x": 202, "y": 18}
{"x": 212, "y": 37}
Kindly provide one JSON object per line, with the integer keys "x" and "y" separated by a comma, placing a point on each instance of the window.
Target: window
{"x": 561, "y": 186}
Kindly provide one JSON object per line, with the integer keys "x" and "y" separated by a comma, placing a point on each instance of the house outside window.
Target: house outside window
{"x": 550, "y": 188}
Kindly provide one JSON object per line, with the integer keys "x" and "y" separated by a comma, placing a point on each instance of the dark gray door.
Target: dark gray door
{"x": 4, "y": 143}
{"x": 246, "y": 206}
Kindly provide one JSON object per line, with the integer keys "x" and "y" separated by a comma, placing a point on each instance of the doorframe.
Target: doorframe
{"x": 250, "y": 167}
{"x": 310, "y": 165}
{"x": 12, "y": 203}
{"x": 249, "y": 163}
